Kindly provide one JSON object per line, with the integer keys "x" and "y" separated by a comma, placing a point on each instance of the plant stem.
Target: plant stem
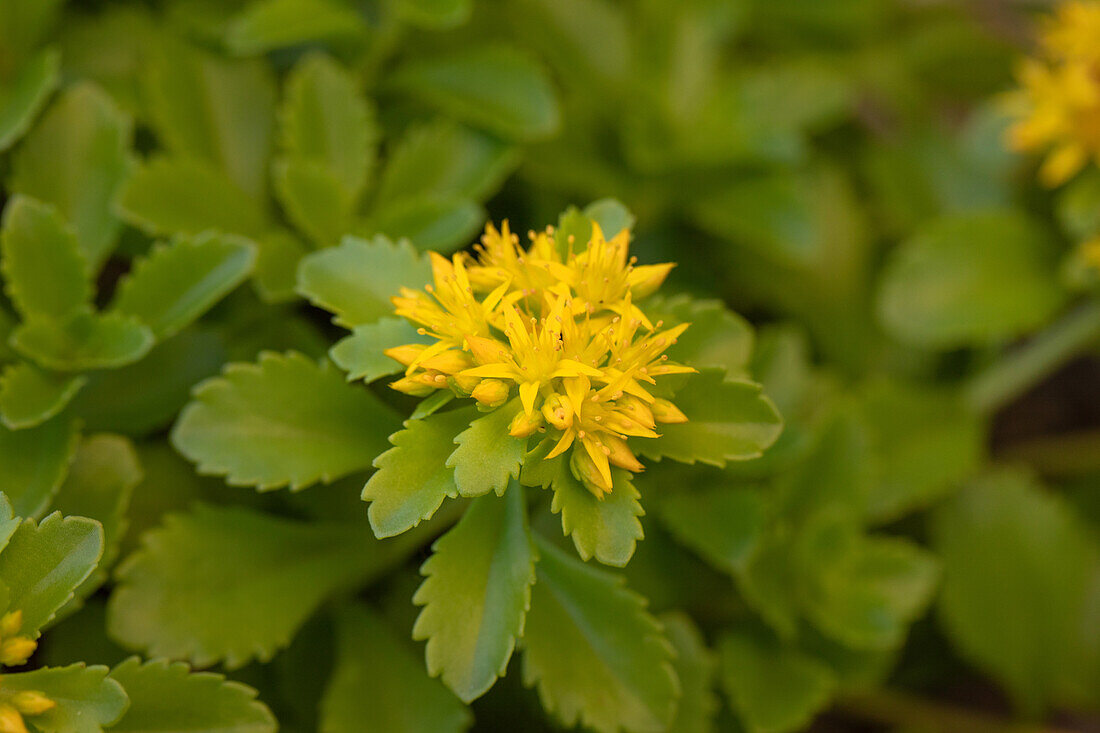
{"x": 1025, "y": 366}
{"x": 898, "y": 709}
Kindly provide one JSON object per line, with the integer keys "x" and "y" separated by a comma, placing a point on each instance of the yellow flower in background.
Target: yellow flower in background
{"x": 1058, "y": 104}
{"x": 557, "y": 324}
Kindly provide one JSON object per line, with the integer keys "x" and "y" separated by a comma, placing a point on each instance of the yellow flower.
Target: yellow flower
{"x": 14, "y": 648}
{"x": 1058, "y": 104}
{"x": 558, "y": 321}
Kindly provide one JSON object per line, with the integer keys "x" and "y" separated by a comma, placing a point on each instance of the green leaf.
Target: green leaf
{"x": 611, "y": 215}
{"x": 723, "y": 525}
{"x": 33, "y": 463}
{"x": 435, "y": 14}
{"x": 497, "y": 88}
{"x": 230, "y": 585}
{"x": 216, "y": 109}
{"x": 267, "y": 25}
{"x": 42, "y": 565}
{"x": 1019, "y": 578}
{"x": 76, "y": 158}
{"x": 439, "y": 223}
{"x": 45, "y": 272}
{"x": 285, "y": 421}
{"x": 1078, "y": 206}
{"x": 970, "y": 279}
{"x": 607, "y": 528}
{"x": 773, "y": 688}
{"x": 276, "y": 272}
{"x": 357, "y": 279}
{"x": 313, "y": 200}
{"x": 487, "y": 457}
{"x": 597, "y": 656}
{"x": 377, "y": 678}
{"x": 717, "y": 337}
{"x": 8, "y": 524}
{"x": 88, "y": 701}
{"x": 30, "y": 396}
{"x": 728, "y": 420}
{"x": 360, "y": 354}
{"x": 445, "y": 158}
{"x": 102, "y": 477}
{"x": 178, "y": 282}
{"x": 83, "y": 341}
{"x": 412, "y": 478}
{"x": 485, "y": 565}
{"x": 168, "y": 695}
{"x": 178, "y": 195}
{"x": 110, "y": 402}
{"x": 23, "y": 97}
{"x": 695, "y": 667}
{"x": 327, "y": 121}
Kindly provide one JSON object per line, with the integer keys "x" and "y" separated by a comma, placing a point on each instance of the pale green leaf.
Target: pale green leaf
{"x": 276, "y": 272}
{"x": 8, "y": 524}
{"x": 357, "y": 279}
{"x": 267, "y": 25}
{"x": 445, "y": 158}
{"x": 773, "y": 688}
{"x": 377, "y": 678}
{"x": 313, "y": 200}
{"x": 723, "y": 525}
{"x": 180, "y": 195}
{"x": 487, "y": 457}
{"x": 166, "y": 375}
{"x": 326, "y": 120}
{"x": 33, "y": 463}
{"x": 42, "y": 565}
{"x": 485, "y": 566}
{"x": 717, "y": 337}
{"x": 30, "y": 396}
{"x": 597, "y": 656}
{"x": 88, "y": 701}
{"x": 439, "y": 223}
{"x": 497, "y": 88}
{"x": 728, "y": 420}
{"x": 435, "y": 14}
{"x": 178, "y": 282}
{"x": 231, "y": 585}
{"x": 45, "y": 272}
{"x": 696, "y": 667}
{"x": 1019, "y": 579}
{"x": 213, "y": 108}
{"x": 970, "y": 279}
{"x": 612, "y": 216}
{"x": 84, "y": 340}
{"x": 360, "y": 354}
{"x": 102, "y": 477}
{"x": 606, "y": 528}
{"x": 284, "y": 421}
{"x": 76, "y": 158}
{"x": 169, "y": 696}
{"x": 412, "y": 478}
{"x": 23, "y": 97}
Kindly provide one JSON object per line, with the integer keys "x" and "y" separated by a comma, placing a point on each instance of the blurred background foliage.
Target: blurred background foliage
{"x": 918, "y": 551}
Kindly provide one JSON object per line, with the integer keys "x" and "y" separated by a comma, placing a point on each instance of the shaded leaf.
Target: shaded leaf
{"x": 485, "y": 565}
{"x": 84, "y": 340}
{"x": 313, "y": 200}
{"x": 696, "y": 667}
{"x": 30, "y": 396}
{"x": 168, "y": 695}
{"x": 435, "y": 14}
{"x": 596, "y": 655}
{"x": 284, "y": 421}
{"x": 88, "y": 701}
{"x": 722, "y": 524}
{"x": 33, "y": 463}
{"x": 266, "y": 25}
{"x": 717, "y": 337}
{"x": 440, "y": 223}
{"x": 360, "y": 354}
{"x": 45, "y": 272}
{"x": 23, "y": 97}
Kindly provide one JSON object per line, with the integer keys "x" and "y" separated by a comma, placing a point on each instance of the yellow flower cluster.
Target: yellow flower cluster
{"x": 16, "y": 649}
{"x": 1058, "y": 103}
{"x": 559, "y": 323}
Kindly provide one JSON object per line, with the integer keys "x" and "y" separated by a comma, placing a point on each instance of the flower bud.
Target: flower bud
{"x": 585, "y": 469}
{"x": 523, "y": 425}
{"x": 463, "y": 385}
{"x": 491, "y": 392}
{"x": 448, "y": 362}
{"x": 16, "y": 650}
{"x": 558, "y": 411}
{"x": 11, "y": 721}
{"x": 666, "y": 412}
{"x": 405, "y": 355}
{"x": 11, "y": 623}
{"x": 619, "y": 454}
{"x": 32, "y": 702}
{"x": 414, "y": 385}
{"x": 637, "y": 409}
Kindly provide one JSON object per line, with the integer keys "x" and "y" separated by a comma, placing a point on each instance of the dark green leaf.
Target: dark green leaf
{"x": 722, "y": 524}
{"x": 45, "y": 272}
{"x": 24, "y": 96}
{"x": 266, "y": 25}
{"x": 696, "y": 667}
{"x": 440, "y": 223}
{"x": 30, "y": 396}
{"x": 33, "y": 463}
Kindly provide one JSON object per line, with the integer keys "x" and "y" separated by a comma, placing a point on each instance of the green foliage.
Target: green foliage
{"x": 30, "y": 396}
{"x": 88, "y": 701}
{"x": 487, "y": 458}
{"x": 606, "y": 528}
{"x": 486, "y": 566}
{"x": 45, "y": 272}
{"x": 22, "y": 97}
